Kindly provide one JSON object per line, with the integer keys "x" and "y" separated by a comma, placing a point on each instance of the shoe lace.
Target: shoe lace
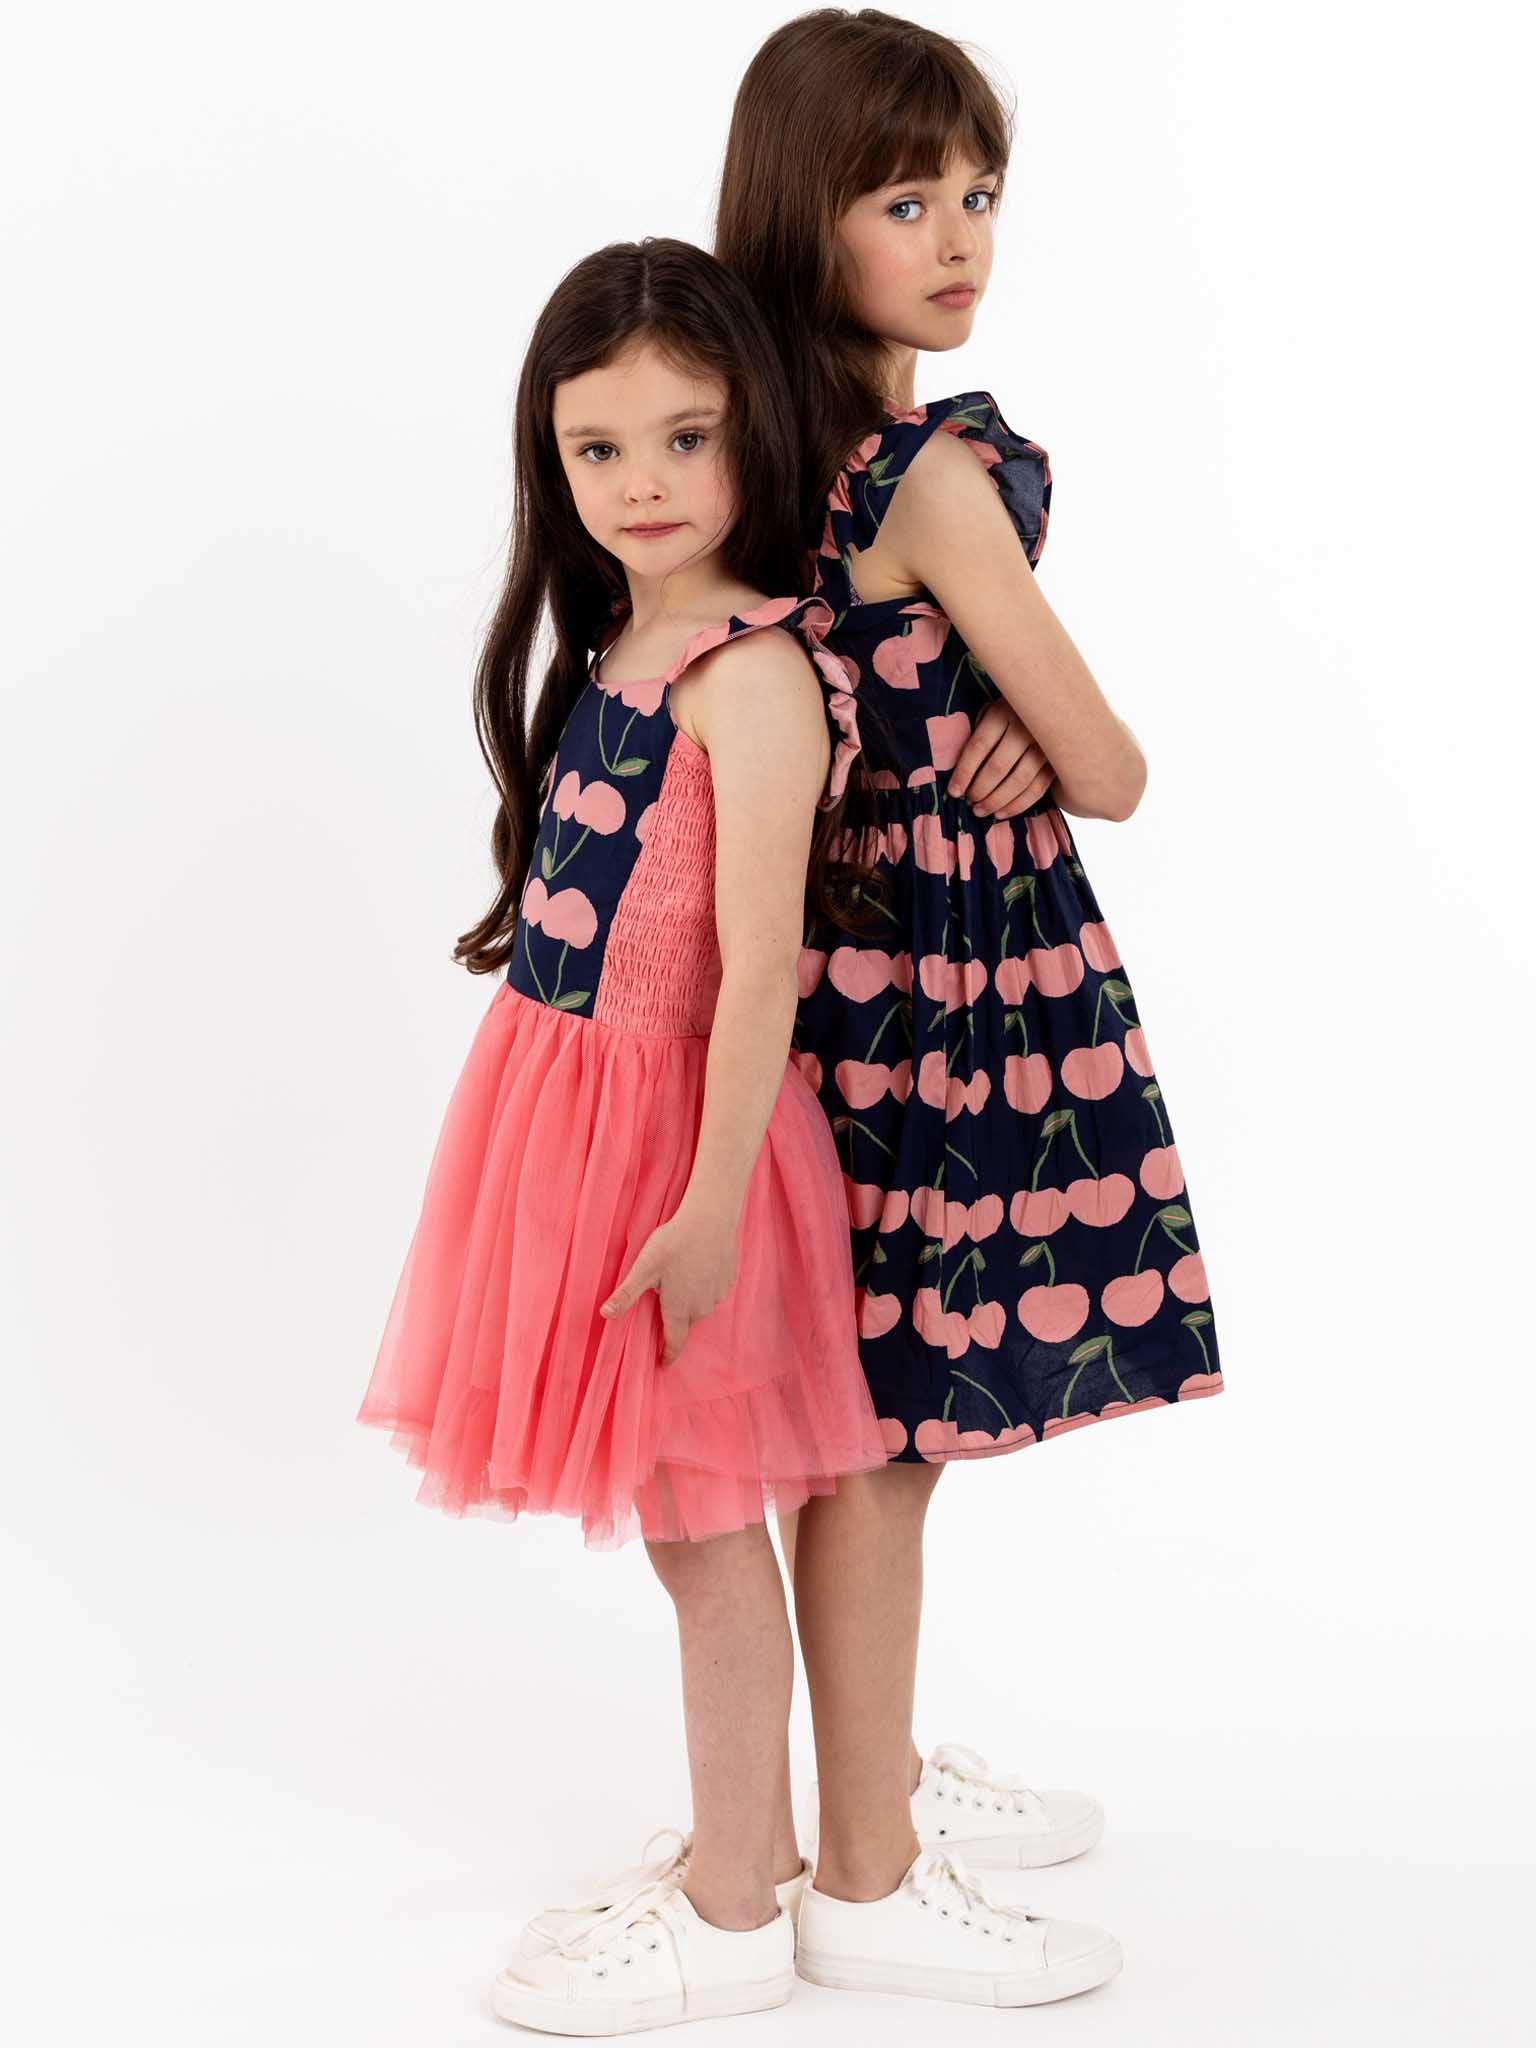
{"x": 943, "y": 1882}
{"x": 639, "y": 1920}
{"x": 964, "y": 1767}
{"x": 613, "y": 1895}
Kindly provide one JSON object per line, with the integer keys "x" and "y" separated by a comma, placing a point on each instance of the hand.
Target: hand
{"x": 1001, "y": 770}
{"x": 691, "y": 1264}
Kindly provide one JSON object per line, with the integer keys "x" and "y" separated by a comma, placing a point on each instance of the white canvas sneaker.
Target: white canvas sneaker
{"x": 941, "y": 1934}
{"x": 610, "y": 1895}
{"x": 651, "y": 1962}
{"x": 994, "y": 1818}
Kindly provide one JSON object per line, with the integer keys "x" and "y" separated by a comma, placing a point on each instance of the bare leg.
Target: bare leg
{"x": 788, "y": 1531}
{"x": 858, "y": 1578}
{"x": 738, "y": 1668}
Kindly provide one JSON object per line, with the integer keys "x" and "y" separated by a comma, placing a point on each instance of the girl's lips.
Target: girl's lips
{"x": 654, "y": 532}
{"x": 960, "y": 295}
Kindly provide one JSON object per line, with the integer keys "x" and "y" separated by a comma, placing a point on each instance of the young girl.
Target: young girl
{"x": 1023, "y": 1240}
{"x": 1024, "y": 1247}
{"x": 629, "y": 1297}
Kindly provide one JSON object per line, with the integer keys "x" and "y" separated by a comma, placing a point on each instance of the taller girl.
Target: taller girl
{"x": 1023, "y": 1242}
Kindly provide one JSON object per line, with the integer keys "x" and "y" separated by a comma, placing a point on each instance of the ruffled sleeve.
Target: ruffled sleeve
{"x": 1020, "y": 468}
{"x": 810, "y": 620}
{"x": 864, "y": 487}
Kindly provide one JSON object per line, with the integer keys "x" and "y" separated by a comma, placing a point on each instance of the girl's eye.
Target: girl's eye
{"x": 981, "y": 193}
{"x": 583, "y": 453}
{"x": 895, "y": 215}
{"x": 694, "y": 434}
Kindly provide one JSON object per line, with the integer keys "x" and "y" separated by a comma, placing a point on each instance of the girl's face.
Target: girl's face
{"x": 903, "y": 245}
{"x": 642, "y": 443}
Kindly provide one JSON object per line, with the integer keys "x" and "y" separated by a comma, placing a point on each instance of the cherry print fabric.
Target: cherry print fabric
{"x": 1023, "y": 1240}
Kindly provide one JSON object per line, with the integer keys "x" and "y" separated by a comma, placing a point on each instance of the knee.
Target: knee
{"x": 699, "y": 1571}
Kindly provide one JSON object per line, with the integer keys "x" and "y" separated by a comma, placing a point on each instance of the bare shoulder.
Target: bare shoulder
{"x": 761, "y": 685}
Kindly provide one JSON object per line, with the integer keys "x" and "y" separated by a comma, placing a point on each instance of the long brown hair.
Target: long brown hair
{"x": 833, "y": 105}
{"x": 703, "y": 317}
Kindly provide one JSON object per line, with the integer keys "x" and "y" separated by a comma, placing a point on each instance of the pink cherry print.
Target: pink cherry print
{"x": 946, "y": 736}
{"x": 1199, "y": 1384}
{"x": 600, "y": 807}
{"x": 954, "y": 983}
{"x": 965, "y": 852}
{"x": 1041, "y": 840}
{"x": 535, "y": 896}
{"x": 957, "y": 1217}
{"x": 810, "y": 1067}
{"x": 893, "y": 843}
{"x": 928, "y": 1210}
{"x": 986, "y": 1324}
{"x": 1027, "y": 1080}
{"x": 809, "y": 969}
{"x": 938, "y": 1325}
{"x": 865, "y": 1082}
{"x": 1093, "y": 1071}
{"x": 884, "y": 778}
{"x": 863, "y": 455}
{"x": 860, "y": 972}
{"x": 567, "y": 789}
{"x": 1010, "y": 977}
{"x": 1055, "y": 970}
{"x": 895, "y": 1434}
{"x": 1161, "y": 1174}
{"x": 643, "y": 822}
{"x": 897, "y": 660}
{"x": 1099, "y": 949}
{"x": 865, "y": 1201}
{"x": 1102, "y": 1202}
{"x": 1038, "y": 1212}
{"x": 877, "y": 1314}
{"x": 935, "y": 1439}
{"x": 1186, "y": 1277}
{"x": 895, "y": 1210}
{"x": 986, "y": 1216}
{"x": 1136, "y": 1051}
{"x": 1054, "y": 1313}
{"x": 933, "y": 1080}
{"x": 1134, "y": 1298}
{"x": 933, "y": 852}
{"x": 568, "y": 915}
{"x": 999, "y": 843}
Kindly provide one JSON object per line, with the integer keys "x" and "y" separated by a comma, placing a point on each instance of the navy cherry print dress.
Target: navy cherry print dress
{"x": 1023, "y": 1242}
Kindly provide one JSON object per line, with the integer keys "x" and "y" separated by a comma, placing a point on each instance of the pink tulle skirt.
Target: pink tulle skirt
{"x": 565, "y": 1143}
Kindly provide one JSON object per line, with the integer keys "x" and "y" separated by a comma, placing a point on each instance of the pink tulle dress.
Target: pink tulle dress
{"x": 570, "y": 1136}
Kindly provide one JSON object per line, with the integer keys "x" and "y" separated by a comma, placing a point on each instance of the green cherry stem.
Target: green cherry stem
{"x": 880, "y": 1033}
{"x": 571, "y": 855}
{"x": 968, "y": 1260}
{"x": 983, "y": 1390}
{"x": 1109, "y": 1354}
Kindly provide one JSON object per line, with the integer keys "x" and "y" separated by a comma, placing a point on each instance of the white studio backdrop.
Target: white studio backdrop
{"x": 292, "y": 1753}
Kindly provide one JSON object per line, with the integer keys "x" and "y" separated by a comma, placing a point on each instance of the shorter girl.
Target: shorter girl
{"x": 629, "y": 1296}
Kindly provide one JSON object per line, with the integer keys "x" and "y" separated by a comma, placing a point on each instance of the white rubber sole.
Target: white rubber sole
{"x": 964, "y": 1987}
{"x": 1022, "y": 1852}
{"x": 527, "y": 2007}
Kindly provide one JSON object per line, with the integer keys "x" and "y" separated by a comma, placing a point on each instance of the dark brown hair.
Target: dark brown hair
{"x": 703, "y": 317}
{"x": 834, "y": 105}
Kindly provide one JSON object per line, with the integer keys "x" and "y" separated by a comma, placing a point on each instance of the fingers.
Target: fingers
{"x": 629, "y": 1290}
{"x": 998, "y": 727}
{"x": 1029, "y": 793}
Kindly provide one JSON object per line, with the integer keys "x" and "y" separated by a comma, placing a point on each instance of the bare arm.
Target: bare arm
{"x": 759, "y": 713}
{"x": 946, "y": 529}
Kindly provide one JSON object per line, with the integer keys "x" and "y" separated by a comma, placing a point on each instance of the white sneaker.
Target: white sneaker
{"x": 941, "y": 1934}
{"x": 649, "y": 1963}
{"x": 998, "y": 1821}
{"x": 611, "y": 1895}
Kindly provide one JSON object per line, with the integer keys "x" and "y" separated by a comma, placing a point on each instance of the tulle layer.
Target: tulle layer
{"x": 565, "y": 1143}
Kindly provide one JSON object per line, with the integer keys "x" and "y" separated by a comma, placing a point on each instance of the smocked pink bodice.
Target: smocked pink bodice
{"x": 661, "y": 972}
